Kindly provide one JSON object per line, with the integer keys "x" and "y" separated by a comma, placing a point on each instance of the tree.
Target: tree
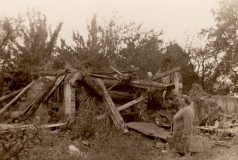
{"x": 175, "y": 56}
{"x": 26, "y": 48}
{"x": 224, "y": 39}
{"x": 116, "y": 44}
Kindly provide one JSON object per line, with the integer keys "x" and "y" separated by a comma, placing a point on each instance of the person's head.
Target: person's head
{"x": 185, "y": 100}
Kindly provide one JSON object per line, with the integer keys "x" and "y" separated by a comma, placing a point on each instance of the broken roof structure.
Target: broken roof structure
{"x": 56, "y": 90}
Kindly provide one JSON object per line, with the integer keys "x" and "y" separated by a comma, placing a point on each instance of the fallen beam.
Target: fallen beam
{"x": 150, "y": 85}
{"x": 164, "y": 74}
{"x": 130, "y": 103}
{"x": 10, "y": 95}
{"x": 12, "y": 101}
{"x": 98, "y": 86}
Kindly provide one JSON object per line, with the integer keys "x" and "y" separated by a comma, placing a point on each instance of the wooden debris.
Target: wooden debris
{"x": 98, "y": 86}
{"x": 10, "y": 95}
{"x": 41, "y": 98}
{"x": 164, "y": 74}
{"x": 50, "y": 73}
{"x": 130, "y": 103}
{"x": 120, "y": 95}
{"x": 150, "y": 85}
{"x": 12, "y": 101}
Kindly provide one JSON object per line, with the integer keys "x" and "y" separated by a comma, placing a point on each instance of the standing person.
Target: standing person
{"x": 182, "y": 127}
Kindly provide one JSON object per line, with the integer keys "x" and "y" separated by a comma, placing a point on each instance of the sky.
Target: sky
{"x": 178, "y": 19}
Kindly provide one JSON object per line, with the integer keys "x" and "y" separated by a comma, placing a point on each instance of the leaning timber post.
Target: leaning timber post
{"x": 98, "y": 86}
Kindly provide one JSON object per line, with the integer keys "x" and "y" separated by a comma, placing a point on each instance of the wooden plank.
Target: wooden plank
{"x": 203, "y": 121}
{"x": 149, "y": 129}
{"x": 120, "y": 95}
{"x": 130, "y": 103}
{"x": 10, "y": 95}
{"x": 98, "y": 86}
{"x": 12, "y": 101}
{"x": 150, "y": 85}
{"x": 50, "y": 73}
{"x": 164, "y": 74}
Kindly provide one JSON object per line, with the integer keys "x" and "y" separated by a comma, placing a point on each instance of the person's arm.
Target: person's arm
{"x": 188, "y": 121}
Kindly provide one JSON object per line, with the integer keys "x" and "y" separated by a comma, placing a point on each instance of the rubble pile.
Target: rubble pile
{"x": 17, "y": 141}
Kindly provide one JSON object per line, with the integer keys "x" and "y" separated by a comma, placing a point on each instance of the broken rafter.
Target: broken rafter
{"x": 98, "y": 86}
{"x": 12, "y": 101}
{"x": 120, "y": 95}
{"x": 164, "y": 74}
{"x": 130, "y": 103}
{"x": 150, "y": 85}
{"x": 41, "y": 98}
{"x": 10, "y": 95}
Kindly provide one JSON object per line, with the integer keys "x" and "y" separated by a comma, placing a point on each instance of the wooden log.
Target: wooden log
{"x": 12, "y": 101}
{"x": 203, "y": 121}
{"x": 10, "y": 95}
{"x": 164, "y": 74}
{"x": 130, "y": 103}
{"x": 98, "y": 86}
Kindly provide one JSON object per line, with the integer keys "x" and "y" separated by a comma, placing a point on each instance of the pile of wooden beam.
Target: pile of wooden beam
{"x": 111, "y": 87}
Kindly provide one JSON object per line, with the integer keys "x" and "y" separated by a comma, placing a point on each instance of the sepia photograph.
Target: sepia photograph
{"x": 118, "y": 79}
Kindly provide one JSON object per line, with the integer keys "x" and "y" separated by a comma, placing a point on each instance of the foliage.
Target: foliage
{"x": 27, "y": 46}
{"x": 115, "y": 44}
{"x": 223, "y": 41}
{"x": 175, "y": 56}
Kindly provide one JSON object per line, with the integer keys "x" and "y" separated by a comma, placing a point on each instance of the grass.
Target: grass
{"x": 105, "y": 142}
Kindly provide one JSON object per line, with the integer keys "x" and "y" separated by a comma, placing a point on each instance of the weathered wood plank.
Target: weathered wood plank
{"x": 150, "y": 85}
{"x": 130, "y": 103}
{"x": 164, "y": 74}
{"x": 10, "y": 95}
{"x": 98, "y": 86}
{"x": 50, "y": 73}
{"x": 12, "y": 101}
{"x": 120, "y": 95}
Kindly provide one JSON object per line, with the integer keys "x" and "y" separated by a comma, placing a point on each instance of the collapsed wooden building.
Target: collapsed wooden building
{"x": 122, "y": 93}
